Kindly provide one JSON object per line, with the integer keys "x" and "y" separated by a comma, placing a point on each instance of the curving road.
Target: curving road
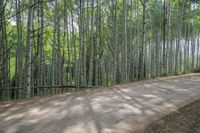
{"x": 119, "y": 109}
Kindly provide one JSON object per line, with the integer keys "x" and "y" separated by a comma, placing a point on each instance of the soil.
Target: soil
{"x": 185, "y": 120}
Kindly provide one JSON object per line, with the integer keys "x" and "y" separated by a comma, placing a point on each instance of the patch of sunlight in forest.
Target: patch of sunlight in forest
{"x": 97, "y": 99}
{"x": 35, "y": 111}
{"x": 157, "y": 100}
{"x": 13, "y": 108}
{"x": 147, "y": 85}
{"x": 33, "y": 121}
{"x": 163, "y": 87}
{"x": 97, "y": 107}
{"x": 182, "y": 90}
{"x": 57, "y": 103}
{"x": 12, "y": 129}
{"x": 139, "y": 106}
{"x": 6, "y": 105}
{"x": 80, "y": 109}
{"x": 23, "y": 103}
{"x": 40, "y": 112}
{"x": 128, "y": 109}
{"x": 82, "y": 127}
{"x": 107, "y": 130}
{"x": 126, "y": 90}
{"x": 150, "y": 96}
{"x": 122, "y": 125}
{"x": 149, "y": 112}
{"x": 169, "y": 87}
{"x": 16, "y": 116}
{"x": 127, "y": 97}
{"x": 3, "y": 114}
{"x": 62, "y": 114}
{"x": 170, "y": 106}
{"x": 101, "y": 98}
{"x": 123, "y": 95}
{"x": 139, "y": 99}
{"x": 79, "y": 98}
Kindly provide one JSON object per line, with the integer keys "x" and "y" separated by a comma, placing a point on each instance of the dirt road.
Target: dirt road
{"x": 120, "y": 109}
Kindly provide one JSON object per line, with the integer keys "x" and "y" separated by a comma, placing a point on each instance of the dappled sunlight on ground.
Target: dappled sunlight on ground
{"x": 119, "y": 109}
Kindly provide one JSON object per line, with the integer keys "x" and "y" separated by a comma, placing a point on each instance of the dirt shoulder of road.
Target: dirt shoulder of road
{"x": 184, "y": 120}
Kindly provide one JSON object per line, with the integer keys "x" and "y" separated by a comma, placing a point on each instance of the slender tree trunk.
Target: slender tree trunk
{"x": 198, "y": 47}
{"x": 53, "y": 50}
{"x": 125, "y": 39}
{"x": 141, "y": 57}
{"x": 164, "y": 39}
{"x": 29, "y": 48}
{"x": 19, "y": 60}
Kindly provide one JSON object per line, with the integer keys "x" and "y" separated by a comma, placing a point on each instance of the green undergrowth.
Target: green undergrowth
{"x": 164, "y": 75}
{"x": 196, "y": 70}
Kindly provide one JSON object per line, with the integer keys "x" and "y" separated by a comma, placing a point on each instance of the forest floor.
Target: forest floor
{"x": 184, "y": 120}
{"x": 123, "y": 108}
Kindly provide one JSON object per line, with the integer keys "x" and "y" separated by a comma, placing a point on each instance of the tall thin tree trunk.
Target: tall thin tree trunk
{"x": 141, "y": 57}
{"x": 29, "y": 48}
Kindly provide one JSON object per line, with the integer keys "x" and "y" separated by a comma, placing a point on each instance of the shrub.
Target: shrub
{"x": 164, "y": 75}
{"x": 196, "y": 70}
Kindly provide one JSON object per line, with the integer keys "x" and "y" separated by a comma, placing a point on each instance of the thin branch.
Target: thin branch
{"x": 142, "y": 3}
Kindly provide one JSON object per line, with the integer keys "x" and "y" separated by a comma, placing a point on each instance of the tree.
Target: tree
{"x": 83, "y": 43}
{"x": 141, "y": 56}
{"x": 29, "y": 47}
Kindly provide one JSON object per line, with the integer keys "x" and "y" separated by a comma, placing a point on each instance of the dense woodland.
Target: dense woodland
{"x": 48, "y": 46}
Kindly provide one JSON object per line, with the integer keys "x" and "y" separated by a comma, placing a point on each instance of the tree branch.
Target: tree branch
{"x": 142, "y": 3}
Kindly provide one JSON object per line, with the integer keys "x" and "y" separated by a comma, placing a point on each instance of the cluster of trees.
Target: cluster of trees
{"x": 80, "y": 43}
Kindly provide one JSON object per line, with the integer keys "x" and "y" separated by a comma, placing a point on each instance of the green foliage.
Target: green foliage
{"x": 12, "y": 67}
{"x": 101, "y": 29}
{"x": 164, "y": 74}
{"x": 196, "y": 70}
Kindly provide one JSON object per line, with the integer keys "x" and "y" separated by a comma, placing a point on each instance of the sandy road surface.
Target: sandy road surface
{"x": 120, "y": 109}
